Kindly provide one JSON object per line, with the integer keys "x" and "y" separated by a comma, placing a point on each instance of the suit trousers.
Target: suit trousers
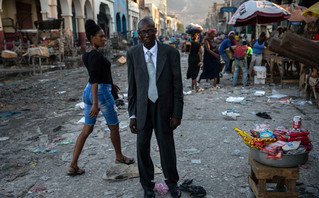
{"x": 165, "y": 139}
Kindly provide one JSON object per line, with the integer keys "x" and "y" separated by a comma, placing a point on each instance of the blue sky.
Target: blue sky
{"x": 190, "y": 11}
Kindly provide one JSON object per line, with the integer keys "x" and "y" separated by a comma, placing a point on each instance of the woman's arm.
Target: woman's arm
{"x": 200, "y": 53}
{"x": 207, "y": 48}
{"x": 95, "y": 107}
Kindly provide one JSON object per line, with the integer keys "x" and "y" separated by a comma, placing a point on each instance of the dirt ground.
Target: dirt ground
{"x": 44, "y": 109}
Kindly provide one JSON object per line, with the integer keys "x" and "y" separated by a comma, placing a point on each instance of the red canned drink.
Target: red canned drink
{"x": 296, "y": 122}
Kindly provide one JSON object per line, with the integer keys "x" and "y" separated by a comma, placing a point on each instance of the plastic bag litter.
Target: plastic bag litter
{"x": 259, "y": 93}
{"x": 235, "y": 99}
{"x": 82, "y": 120}
{"x": 277, "y": 96}
{"x": 80, "y": 105}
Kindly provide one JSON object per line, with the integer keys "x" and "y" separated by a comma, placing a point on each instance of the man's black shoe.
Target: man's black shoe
{"x": 149, "y": 194}
{"x": 175, "y": 192}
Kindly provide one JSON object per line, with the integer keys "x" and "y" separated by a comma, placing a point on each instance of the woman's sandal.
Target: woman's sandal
{"x": 123, "y": 161}
{"x": 76, "y": 171}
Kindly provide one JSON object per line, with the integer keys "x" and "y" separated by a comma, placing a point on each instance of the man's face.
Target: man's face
{"x": 147, "y": 33}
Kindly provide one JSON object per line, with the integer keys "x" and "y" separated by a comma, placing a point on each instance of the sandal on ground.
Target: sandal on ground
{"x": 123, "y": 161}
{"x": 263, "y": 115}
{"x": 76, "y": 171}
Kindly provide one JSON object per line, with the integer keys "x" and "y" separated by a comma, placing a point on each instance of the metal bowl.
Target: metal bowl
{"x": 286, "y": 161}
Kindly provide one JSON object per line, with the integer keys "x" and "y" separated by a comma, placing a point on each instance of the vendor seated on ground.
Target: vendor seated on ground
{"x": 240, "y": 55}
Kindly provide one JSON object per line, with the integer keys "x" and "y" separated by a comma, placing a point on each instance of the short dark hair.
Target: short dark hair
{"x": 263, "y": 34}
{"x": 145, "y": 20}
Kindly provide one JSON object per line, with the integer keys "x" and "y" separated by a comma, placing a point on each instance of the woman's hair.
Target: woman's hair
{"x": 263, "y": 34}
{"x": 91, "y": 28}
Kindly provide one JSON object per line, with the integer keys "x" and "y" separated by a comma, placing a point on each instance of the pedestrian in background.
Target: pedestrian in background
{"x": 226, "y": 44}
{"x": 194, "y": 60}
{"x": 211, "y": 58}
{"x": 155, "y": 96}
{"x": 240, "y": 55}
{"x": 258, "y": 49}
{"x": 97, "y": 97}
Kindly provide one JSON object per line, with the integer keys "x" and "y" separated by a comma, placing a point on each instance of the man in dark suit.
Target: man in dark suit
{"x": 155, "y": 94}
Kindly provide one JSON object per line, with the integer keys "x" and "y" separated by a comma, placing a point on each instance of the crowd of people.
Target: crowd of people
{"x": 223, "y": 55}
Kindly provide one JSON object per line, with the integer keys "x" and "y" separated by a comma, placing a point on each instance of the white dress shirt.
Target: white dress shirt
{"x": 153, "y": 50}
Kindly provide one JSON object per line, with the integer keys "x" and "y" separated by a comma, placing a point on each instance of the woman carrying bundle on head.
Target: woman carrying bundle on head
{"x": 194, "y": 60}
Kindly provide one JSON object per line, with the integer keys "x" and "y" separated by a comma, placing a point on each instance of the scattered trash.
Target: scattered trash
{"x": 109, "y": 149}
{"x": 8, "y": 114}
{"x": 161, "y": 188}
{"x": 21, "y": 165}
{"x": 80, "y": 105}
{"x": 57, "y": 139}
{"x": 259, "y": 93}
{"x": 38, "y": 150}
{"x": 187, "y": 93}
{"x": 231, "y": 114}
{"x": 61, "y": 92}
{"x": 81, "y": 121}
{"x": 277, "y": 96}
{"x": 93, "y": 136}
{"x": 235, "y": 99}
{"x": 53, "y": 151}
{"x": 191, "y": 150}
{"x": 33, "y": 165}
{"x": 4, "y": 138}
{"x": 236, "y": 152}
{"x": 304, "y": 166}
{"x": 65, "y": 143}
{"x": 196, "y": 161}
{"x": 226, "y": 141}
{"x": 157, "y": 149}
{"x": 57, "y": 129}
{"x": 38, "y": 189}
{"x": 224, "y": 128}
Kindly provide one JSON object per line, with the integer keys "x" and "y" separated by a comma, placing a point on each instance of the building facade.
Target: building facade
{"x": 18, "y": 15}
{"x": 104, "y": 15}
{"x": 133, "y": 14}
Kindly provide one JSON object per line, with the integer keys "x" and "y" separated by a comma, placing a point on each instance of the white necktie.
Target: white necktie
{"x": 152, "y": 89}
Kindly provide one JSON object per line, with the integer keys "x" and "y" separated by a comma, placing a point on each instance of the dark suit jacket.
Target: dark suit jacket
{"x": 168, "y": 81}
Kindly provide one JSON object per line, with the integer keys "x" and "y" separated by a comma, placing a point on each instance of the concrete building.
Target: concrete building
{"x": 104, "y": 14}
{"x": 160, "y": 14}
{"x": 171, "y": 25}
{"x": 120, "y": 16}
{"x": 20, "y": 15}
{"x": 133, "y": 14}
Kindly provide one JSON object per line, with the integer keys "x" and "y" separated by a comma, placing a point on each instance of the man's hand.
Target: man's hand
{"x": 174, "y": 123}
{"x": 133, "y": 125}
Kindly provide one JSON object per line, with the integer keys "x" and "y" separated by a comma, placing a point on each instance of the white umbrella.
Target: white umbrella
{"x": 258, "y": 12}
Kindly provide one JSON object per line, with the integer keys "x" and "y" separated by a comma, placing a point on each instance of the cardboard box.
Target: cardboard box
{"x": 8, "y": 54}
{"x": 121, "y": 61}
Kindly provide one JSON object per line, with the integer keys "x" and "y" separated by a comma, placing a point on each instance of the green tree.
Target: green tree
{"x": 180, "y": 27}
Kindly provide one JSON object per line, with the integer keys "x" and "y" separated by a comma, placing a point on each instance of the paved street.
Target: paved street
{"x": 209, "y": 151}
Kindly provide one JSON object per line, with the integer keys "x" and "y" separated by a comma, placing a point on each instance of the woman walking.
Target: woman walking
{"x": 211, "y": 58}
{"x": 194, "y": 60}
{"x": 97, "y": 97}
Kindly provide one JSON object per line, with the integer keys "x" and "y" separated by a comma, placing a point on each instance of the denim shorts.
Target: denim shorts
{"x": 106, "y": 104}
